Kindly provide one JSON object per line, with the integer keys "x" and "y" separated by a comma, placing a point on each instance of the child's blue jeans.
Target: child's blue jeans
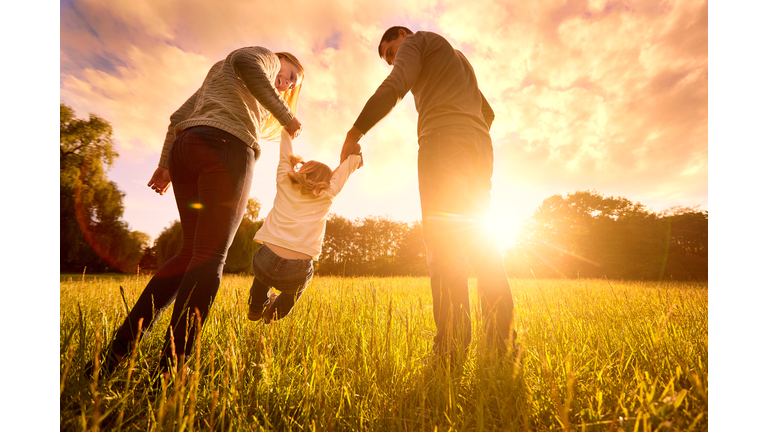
{"x": 289, "y": 276}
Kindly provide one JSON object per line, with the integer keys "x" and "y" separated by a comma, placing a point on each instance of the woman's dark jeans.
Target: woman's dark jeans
{"x": 455, "y": 167}
{"x": 211, "y": 172}
{"x": 289, "y": 276}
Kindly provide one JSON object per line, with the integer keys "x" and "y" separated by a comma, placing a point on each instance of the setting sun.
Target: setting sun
{"x": 504, "y": 223}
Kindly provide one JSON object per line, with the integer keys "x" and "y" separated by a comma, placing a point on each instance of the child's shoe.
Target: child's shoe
{"x": 256, "y": 310}
{"x": 269, "y": 309}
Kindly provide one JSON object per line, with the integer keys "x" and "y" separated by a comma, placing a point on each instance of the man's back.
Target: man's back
{"x": 445, "y": 89}
{"x": 443, "y": 84}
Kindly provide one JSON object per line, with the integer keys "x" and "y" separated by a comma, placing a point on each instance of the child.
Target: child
{"x": 292, "y": 234}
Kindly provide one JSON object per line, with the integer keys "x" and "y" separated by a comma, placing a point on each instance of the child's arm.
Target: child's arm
{"x": 342, "y": 173}
{"x": 286, "y": 150}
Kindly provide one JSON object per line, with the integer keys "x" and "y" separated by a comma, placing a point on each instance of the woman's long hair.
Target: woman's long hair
{"x": 271, "y": 129}
{"x": 311, "y": 178}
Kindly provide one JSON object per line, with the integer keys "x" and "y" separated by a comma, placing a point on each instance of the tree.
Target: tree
{"x": 169, "y": 243}
{"x": 337, "y": 246}
{"x": 252, "y": 209}
{"x": 374, "y": 245}
{"x": 687, "y": 243}
{"x": 411, "y": 253}
{"x": 243, "y": 246}
{"x": 91, "y": 233}
{"x": 171, "y": 240}
{"x": 587, "y": 235}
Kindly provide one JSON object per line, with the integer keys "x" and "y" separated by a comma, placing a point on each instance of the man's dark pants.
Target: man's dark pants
{"x": 211, "y": 172}
{"x": 455, "y": 167}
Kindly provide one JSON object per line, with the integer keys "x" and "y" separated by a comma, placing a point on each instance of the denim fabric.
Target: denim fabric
{"x": 289, "y": 276}
{"x": 211, "y": 173}
{"x": 455, "y": 168}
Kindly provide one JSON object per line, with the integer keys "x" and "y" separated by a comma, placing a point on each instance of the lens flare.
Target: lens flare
{"x": 84, "y": 217}
{"x": 196, "y": 206}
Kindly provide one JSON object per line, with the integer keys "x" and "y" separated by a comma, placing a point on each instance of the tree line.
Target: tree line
{"x": 582, "y": 234}
{"x": 585, "y": 234}
{"x": 92, "y": 234}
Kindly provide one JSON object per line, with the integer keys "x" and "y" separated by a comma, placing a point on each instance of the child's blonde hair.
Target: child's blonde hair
{"x": 272, "y": 128}
{"x": 312, "y": 178}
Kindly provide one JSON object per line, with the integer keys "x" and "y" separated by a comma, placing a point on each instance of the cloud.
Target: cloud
{"x": 593, "y": 90}
{"x": 599, "y": 94}
{"x": 139, "y": 97}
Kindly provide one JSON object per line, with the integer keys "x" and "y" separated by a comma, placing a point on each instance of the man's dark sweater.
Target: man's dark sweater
{"x": 443, "y": 84}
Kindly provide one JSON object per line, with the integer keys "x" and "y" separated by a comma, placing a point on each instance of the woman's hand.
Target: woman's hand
{"x": 293, "y": 128}
{"x": 160, "y": 181}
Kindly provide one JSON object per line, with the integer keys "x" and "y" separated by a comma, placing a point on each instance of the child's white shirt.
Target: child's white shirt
{"x": 297, "y": 221}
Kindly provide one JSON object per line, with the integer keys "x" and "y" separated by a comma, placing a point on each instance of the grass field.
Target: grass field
{"x": 596, "y": 355}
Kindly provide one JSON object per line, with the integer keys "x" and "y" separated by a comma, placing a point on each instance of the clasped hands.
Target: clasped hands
{"x": 161, "y": 178}
{"x": 352, "y": 146}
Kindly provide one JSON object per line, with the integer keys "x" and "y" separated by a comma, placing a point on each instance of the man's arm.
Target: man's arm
{"x": 351, "y": 145}
{"x": 407, "y": 66}
{"x": 488, "y": 114}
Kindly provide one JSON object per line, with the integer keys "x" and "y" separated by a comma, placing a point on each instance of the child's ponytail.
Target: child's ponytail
{"x": 312, "y": 177}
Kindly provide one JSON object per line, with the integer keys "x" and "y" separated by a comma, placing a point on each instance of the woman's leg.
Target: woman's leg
{"x": 161, "y": 290}
{"x": 157, "y": 295}
{"x": 224, "y": 168}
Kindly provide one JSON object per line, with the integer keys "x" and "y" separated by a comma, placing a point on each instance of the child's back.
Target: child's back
{"x": 294, "y": 229}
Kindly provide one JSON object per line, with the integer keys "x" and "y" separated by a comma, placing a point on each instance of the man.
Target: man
{"x": 455, "y": 166}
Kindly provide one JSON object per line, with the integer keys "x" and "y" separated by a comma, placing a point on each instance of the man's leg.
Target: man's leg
{"x": 443, "y": 188}
{"x": 483, "y": 251}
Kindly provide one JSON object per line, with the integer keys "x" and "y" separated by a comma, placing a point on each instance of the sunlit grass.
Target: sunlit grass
{"x": 598, "y": 355}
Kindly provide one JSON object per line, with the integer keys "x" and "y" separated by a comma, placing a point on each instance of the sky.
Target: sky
{"x": 126, "y": 63}
{"x": 610, "y": 96}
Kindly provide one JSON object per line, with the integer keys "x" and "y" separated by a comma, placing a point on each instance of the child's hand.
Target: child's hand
{"x": 293, "y": 128}
{"x": 357, "y": 150}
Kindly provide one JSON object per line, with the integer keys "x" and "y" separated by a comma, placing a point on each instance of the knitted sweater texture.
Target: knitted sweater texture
{"x": 237, "y": 96}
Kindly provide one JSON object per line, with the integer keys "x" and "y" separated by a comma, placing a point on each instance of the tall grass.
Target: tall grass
{"x": 354, "y": 355}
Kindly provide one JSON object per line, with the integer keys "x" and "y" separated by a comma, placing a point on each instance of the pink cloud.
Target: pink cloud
{"x": 606, "y": 95}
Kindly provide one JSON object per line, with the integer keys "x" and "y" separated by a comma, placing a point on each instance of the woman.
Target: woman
{"x": 209, "y": 153}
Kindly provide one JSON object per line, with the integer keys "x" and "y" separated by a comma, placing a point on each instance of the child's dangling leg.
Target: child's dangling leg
{"x": 258, "y": 300}
{"x": 280, "y": 305}
{"x": 259, "y": 295}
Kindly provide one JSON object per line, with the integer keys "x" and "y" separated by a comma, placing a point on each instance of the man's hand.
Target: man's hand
{"x": 293, "y": 127}
{"x": 351, "y": 145}
{"x": 160, "y": 181}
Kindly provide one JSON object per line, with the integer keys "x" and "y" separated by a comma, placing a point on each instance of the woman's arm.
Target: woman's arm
{"x": 249, "y": 64}
{"x": 179, "y": 116}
